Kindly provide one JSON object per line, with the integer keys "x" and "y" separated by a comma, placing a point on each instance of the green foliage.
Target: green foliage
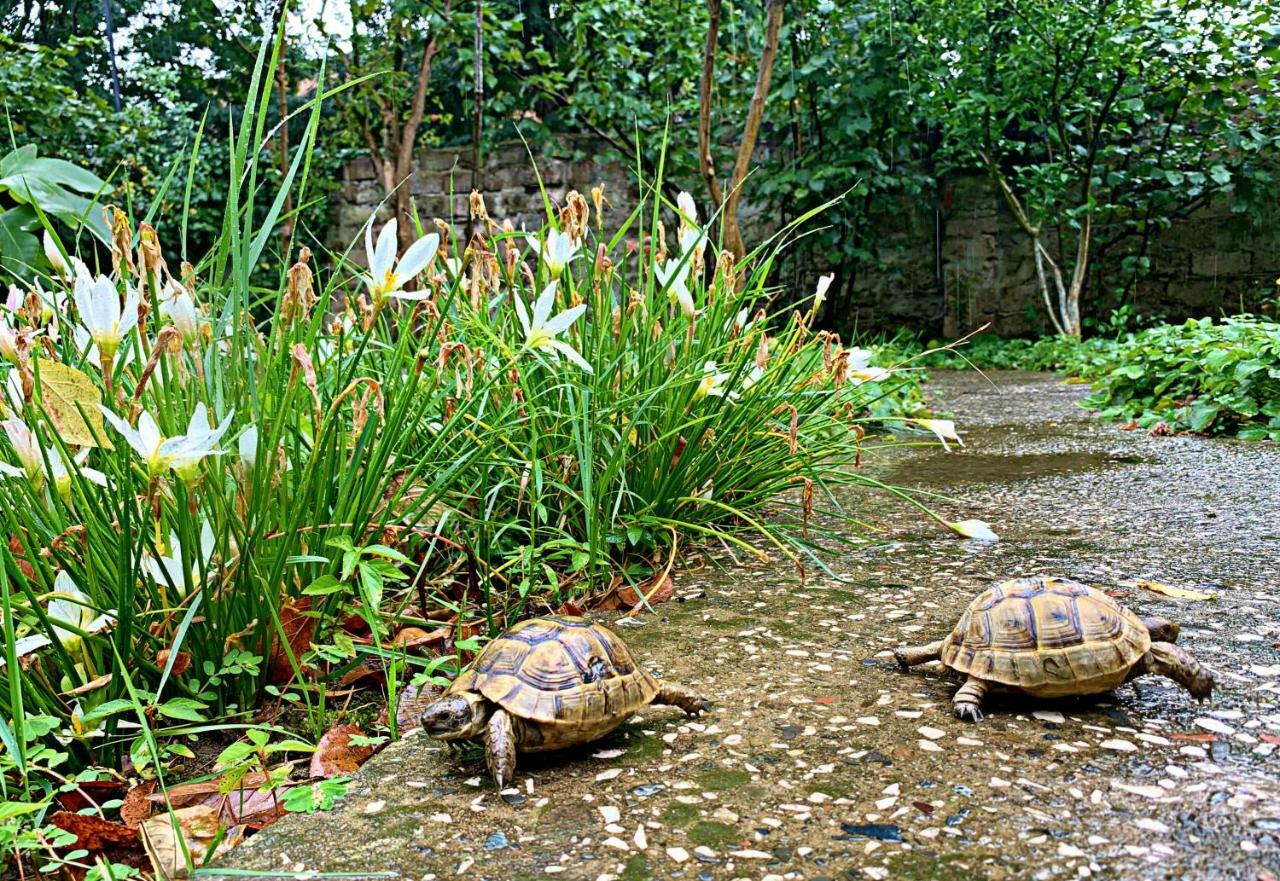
{"x": 32, "y": 185}
{"x": 1204, "y": 376}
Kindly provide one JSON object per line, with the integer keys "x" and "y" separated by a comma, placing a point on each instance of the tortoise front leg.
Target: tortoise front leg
{"x": 676, "y": 695}
{"x": 500, "y": 748}
{"x": 967, "y": 704}
{"x": 909, "y": 656}
{"x": 1175, "y": 662}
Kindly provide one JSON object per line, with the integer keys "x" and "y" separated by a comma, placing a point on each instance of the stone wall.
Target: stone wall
{"x": 947, "y": 269}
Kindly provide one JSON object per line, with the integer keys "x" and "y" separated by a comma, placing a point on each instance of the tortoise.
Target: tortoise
{"x": 1052, "y": 637}
{"x": 546, "y": 684}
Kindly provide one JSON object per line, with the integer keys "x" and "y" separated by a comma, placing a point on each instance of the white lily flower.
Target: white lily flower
{"x": 541, "y": 330}
{"x": 182, "y": 453}
{"x": 858, "y": 359}
{"x": 70, "y": 606}
{"x": 101, "y": 314}
{"x": 945, "y": 429}
{"x": 754, "y": 375}
{"x": 674, "y": 276}
{"x": 688, "y": 208}
{"x": 387, "y": 276}
{"x": 557, "y": 250}
{"x": 55, "y": 258}
{"x": 13, "y": 396}
{"x": 14, "y": 300}
{"x": 173, "y": 571}
{"x": 248, "y": 447}
{"x": 26, "y": 446}
{"x": 8, "y": 339}
{"x": 824, "y": 284}
{"x": 714, "y": 383}
{"x": 979, "y": 530}
{"x": 180, "y": 308}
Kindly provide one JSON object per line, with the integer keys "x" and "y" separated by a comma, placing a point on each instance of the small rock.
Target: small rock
{"x": 611, "y": 774}
{"x": 609, "y": 813}
{"x": 1120, "y": 746}
{"x": 677, "y": 854}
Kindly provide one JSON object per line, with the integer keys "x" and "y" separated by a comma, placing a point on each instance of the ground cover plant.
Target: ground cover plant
{"x": 223, "y": 486}
{"x": 1204, "y": 376}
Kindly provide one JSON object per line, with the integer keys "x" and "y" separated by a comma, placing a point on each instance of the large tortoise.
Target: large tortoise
{"x": 546, "y": 684}
{"x": 1051, "y": 637}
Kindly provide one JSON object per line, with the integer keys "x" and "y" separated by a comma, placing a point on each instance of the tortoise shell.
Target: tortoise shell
{"x": 1048, "y": 637}
{"x": 576, "y": 679}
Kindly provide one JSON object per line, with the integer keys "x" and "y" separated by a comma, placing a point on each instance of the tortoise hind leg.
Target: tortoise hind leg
{"x": 909, "y": 656}
{"x": 967, "y": 703}
{"x": 1175, "y": 662}
{"x": 676, "y": 695}
{"x": 500, "y": 748}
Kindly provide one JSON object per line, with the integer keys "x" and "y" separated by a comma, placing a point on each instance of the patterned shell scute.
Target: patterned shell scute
{"x": 1033, "y": 632}
{"x": 561, "y": 670}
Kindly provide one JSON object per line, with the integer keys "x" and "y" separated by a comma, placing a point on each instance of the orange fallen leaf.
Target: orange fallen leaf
{"x": 827, "y": 701}
{"x": 1270, "y": 738}
{"x": 297, "y": 627}
{"x": 95, "y": 834}
{"x": 181, "y": 661}
{"x": 335, "y": 755}
{"x": 1195, "y": 738}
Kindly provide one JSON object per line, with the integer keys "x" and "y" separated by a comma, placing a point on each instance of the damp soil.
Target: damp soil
{"x": 820, "y": 759}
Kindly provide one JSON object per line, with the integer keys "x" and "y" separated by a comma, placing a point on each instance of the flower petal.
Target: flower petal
{"x": 418, "y": 256}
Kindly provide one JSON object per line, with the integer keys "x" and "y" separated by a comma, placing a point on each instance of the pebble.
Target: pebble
{"x": 751, "y": 854}
{"x": 616, "y": 843}
{"x": 609, "y": 813}
{"x": 931, "y": 733}
{"x": 1120, "y": 746}
{"x": 375, "y": 807}
{"x": 611, "y": 774}
{"x": 677, "y": 854}
{"x": 1050, "y": 716}
{"x": 1215, "y": 726}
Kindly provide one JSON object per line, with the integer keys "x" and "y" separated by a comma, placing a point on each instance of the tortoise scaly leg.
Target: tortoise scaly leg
{"x": 500, "y": 748}
{"x": 676, "y": 695}
{"x": 1175, "y": 662}
{"x": 909, "y": 656}
{"x": 967, "y": 704}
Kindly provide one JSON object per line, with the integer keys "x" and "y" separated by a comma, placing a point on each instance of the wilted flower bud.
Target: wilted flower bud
{"x": 299, "y": 294}
{"x": 121, "y": 239}
{"x": 55, "y": 258}
{"x": 576, "y": 216}
{"x": 478, "y": 209}
{"x": 597, "y": 199}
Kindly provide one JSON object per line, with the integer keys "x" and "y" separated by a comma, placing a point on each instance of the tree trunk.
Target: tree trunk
{"x": 706, "y": 164}
{"x": 731, "y": 233}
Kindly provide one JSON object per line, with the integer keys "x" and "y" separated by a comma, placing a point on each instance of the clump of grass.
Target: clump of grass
{"x": 209, "y": 473}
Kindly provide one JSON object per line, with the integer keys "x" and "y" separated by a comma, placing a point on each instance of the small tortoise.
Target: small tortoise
{"x": 545, "y": 684}
{"x": 1050, "y": 637}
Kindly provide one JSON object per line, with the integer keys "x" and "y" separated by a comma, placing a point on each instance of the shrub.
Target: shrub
{"x": 1216, "y": 377}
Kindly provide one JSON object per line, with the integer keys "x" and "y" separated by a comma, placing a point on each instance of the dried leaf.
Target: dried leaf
{"x": 1177, "y": 592}
{"x": 412, "y": 701}
{"x": 137, "y": 805}
{"x": 189, "y": 794}
{"x": 297, "y": 627}
{"x": 69, "y": 398}
{"x": 101, "y": 682}
{"x": 336, "y": 756}
{"x": 188, "y": 832}
{"x": 181, "y": 663}
{"x": 89, "y": 794}
{"x": 95, "y": 834}
{"x": 416, "y": 637}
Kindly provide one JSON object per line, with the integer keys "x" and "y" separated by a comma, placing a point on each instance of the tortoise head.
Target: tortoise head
{"x": 1161, "y": 629}
{"x": 456, "y": 717}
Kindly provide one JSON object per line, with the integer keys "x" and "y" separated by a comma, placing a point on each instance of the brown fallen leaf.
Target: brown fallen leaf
{"x": 297, "y": 626}
{"x": 171, "y": 838}
{"x": 15, "y": 548}
{"x": 416, "y": 638}
{"x": 136, "y": 806}
{"x": 1177, "y": 592}
{"x": 95, "y": 834}
{"x": 88, "y": 794}
{"x": 101, "y": 682}
{"x": 181, "y": 662}
{"x": 335, "y": 755}
{"x": 187, "y": 794}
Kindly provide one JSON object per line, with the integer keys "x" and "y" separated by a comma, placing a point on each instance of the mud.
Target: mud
{"x": 820, "y": 759}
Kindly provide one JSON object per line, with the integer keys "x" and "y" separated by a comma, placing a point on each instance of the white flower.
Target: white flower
{"x": 857, "y": 364}
{"x": 754, "y": 375}
{"x": 69, "y": 605}
{"x": 13, "y": 395}
{"x": 824, "y": 283}
{"x": 180, "y": 308}
{"x": 8, "y": 339}
{"x": 172, "y": 570}
{"x": 27, "y": 448}
{"x": 688, "y": 208}
{"x": 557, "y": 250}
{"x": 101, "y": 314}
{"x": 975, "y": 529}
{"x": 857, "y": 359}
{"x": 13, "y": 302}
{"x": 713, "y": 383}
{"x": 182, "y": 453}
{"x": 945, "y": 429}
{"x": 674, "y": 276}
{"x": 248, "y": 447}
{"x": 55, "y": 258}
{"x": 541, "y": 331}
{"x": 386, "y": 275}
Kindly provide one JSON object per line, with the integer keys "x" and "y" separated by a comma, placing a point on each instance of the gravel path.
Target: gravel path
{"x": 820, "y": 759}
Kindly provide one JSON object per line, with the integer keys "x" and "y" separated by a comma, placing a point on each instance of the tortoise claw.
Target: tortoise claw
{"x": 968, "y": 712}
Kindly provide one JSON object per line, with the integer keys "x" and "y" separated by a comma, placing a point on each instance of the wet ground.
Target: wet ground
{"x": 820, "y": 759}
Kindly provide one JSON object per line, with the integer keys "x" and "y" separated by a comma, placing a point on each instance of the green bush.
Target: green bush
{"x": 1205, "y": 376}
